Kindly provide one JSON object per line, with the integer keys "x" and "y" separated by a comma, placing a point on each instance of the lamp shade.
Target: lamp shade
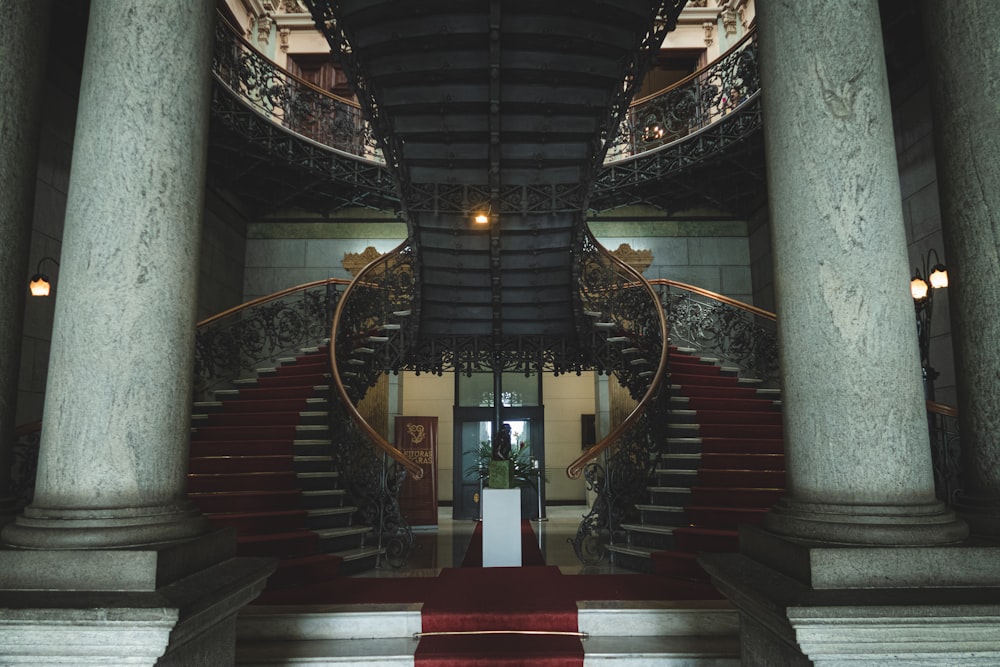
{"x": 481, "y": 219}
{"x": 938, "y": 276}
{"x": 918, "y": 288}
{"x": 39, "y": 285}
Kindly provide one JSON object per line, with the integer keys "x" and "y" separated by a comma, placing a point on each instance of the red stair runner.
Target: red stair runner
{"x": 242, "y": 472}
{"x": 741, "y": 473}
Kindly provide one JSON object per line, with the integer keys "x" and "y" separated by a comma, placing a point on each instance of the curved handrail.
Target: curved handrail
{"x": 689, "y": 105}
{"x": 288, "y": 100}
{"x": 374, "y": 436}
{"x": 271, "y": 297}
{"x": 575, "y": 469}
{"x": 240, "y": 339}
{"x": 941, "y": 409}
{"x": 716, "y": 296}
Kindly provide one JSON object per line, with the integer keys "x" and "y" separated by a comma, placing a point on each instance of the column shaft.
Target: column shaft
{"x": 113, "y": 452}
{"x": 857, "y": 451}
{"x": 24, "y": 30}
{"x": 961, "y": 39}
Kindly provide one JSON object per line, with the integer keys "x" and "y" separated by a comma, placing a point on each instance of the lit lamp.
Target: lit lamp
{"x": 481, "y": 219}
{"x": 922, "y": 292}
{"x": 40, "y": 285}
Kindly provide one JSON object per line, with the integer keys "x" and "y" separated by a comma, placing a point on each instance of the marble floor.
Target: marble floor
{"x": 445, "y": 545}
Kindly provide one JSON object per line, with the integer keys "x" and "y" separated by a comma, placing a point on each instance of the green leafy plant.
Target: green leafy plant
{"x": 523, "y": 464}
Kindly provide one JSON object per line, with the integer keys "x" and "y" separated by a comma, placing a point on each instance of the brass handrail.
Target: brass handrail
{"x": 415, "y": 470}
{"x": 942, "y": 409}
{"x": 686, "y": 107}
{"x": 272, "y": 297}
{"x": 694, "y": 75}
{"x": 575, "y": 469}
{"x": 716, "y": 296}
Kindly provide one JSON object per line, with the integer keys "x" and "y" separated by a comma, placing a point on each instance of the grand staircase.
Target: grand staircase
{"x": 262, "y": 462}
{"x": 724, "y": 466}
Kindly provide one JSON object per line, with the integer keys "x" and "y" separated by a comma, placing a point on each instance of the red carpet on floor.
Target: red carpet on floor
{"x": 504, "y": 600}
{"x": 531, "y": 555}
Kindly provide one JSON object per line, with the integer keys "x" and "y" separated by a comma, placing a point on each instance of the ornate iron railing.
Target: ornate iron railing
{"x": 699, "y": 100}
{"x": 372, "y": 332}
{"x": 288, "y": 100}
{"x": 942, "y": 423}
{"x": 234, "y": 343}
{"x": 739, "y": 334}
{"x": 628, "y": 334}
{"x": 372, "y": 481}
{"x": 24, "y": 464}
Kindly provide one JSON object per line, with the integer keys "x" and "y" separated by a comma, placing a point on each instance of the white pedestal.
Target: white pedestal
{"x": 501, "y": 527}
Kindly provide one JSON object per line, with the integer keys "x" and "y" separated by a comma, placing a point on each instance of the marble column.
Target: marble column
{"x": 110, "y": 559}
{"x": 963, "y": 59}
{"x": 24, "y": 30}
{"x": 113, "y": 455}
{"x": 857, "y": 451}
{"x": 859, "y": 563}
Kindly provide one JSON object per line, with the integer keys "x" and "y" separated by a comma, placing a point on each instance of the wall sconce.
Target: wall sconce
{"x": 481, "y": 218}
{"x": 40, "y": 283}
{"x": 922, "y": 292}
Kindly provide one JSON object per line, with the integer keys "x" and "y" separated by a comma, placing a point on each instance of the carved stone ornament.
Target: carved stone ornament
{"x": 637, "y": 259}
{"x": 264, "y": 29}
{"x": 355, "y": 261}
{"x": 283, "y": 35}
{"x": 729, "y": 21}
{"x": 709, "y": 27}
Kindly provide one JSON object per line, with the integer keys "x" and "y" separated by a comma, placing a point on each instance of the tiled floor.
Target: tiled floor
{"x": 445, "y": 545}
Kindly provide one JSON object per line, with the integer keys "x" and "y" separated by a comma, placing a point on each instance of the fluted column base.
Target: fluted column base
{"x": 889, "y": 525}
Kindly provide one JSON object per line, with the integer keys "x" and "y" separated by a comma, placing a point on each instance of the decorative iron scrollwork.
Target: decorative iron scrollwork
{"x": 946, "y": 452}
{"x": 24, "y": 465}
{"x": 372, "y": 483}
{"x": 619, "y": 482}
{"x": 697, "y": 102}
{"x": 737, "y": 336}
{"x": 288, "y": 101}
{"x": 236, "y": 344}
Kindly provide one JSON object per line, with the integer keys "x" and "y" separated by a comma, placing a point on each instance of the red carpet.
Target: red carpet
{"x": 741, "y": 472}
{"x": 530, "y": 553}
{"x": 243, "y": 473}
{"x": 503, "y": 600}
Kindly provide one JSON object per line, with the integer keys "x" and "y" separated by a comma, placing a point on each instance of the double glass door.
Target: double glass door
{"x": 473, "y": 444}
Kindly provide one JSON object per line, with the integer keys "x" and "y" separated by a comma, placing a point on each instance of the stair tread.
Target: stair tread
{"x": 360, "y": 552}
{"x": 642, "y": 552}
{"x": 330, "y": 511}
{"x": 648, "y": 528}
{"x": 342, "y": 531}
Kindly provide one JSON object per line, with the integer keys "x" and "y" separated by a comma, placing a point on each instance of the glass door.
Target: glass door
{"x": 473, "y": 438}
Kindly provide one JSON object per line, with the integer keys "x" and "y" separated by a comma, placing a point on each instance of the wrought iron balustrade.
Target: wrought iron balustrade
{"x": 288, "y": 100}
{"x": 628, "y": 334}
{"x": 705, "y": 97}
{"x": 942, "y": 424}
{"x": 739, "y": 334}
{"x": 233, "y": 344}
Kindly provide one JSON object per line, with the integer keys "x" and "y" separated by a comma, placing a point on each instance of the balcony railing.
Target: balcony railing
{"x": 288, "y": 100}
{"x": 707, "y": 96}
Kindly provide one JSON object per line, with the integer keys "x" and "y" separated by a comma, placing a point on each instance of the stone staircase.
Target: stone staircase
{"x": 724, "y": 466}
{"x": 637, "y": 634}
{"x": 262, "y": 462}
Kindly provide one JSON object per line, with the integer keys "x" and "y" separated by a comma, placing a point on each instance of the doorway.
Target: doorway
{"x": 473, "y": 438}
